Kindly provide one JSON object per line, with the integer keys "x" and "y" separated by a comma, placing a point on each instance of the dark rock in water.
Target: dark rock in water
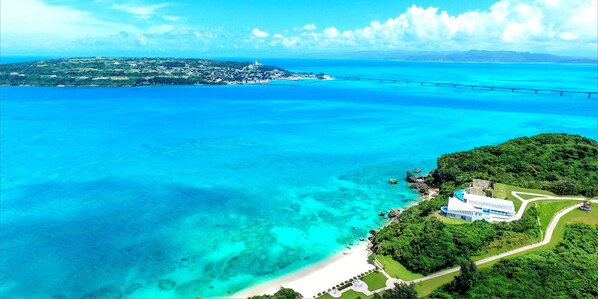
{"x": 394, "y": 213}
{"x": 132, "y": 288}
{"x": 166, "y": 285}
{"x": 373, "y": 232}
{"x": 105, "y": 294}
{"x": 393, "y": 181}
{"x": 410, "y": 177}
{"x": 382, "y": 214}
{"x": 361, "y": 239}
{"x": 417, "y": 170}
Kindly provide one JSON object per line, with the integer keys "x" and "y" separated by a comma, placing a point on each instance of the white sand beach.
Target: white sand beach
{"x": 320, "y": 277}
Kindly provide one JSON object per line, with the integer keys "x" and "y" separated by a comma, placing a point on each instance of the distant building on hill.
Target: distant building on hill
{"x": 472, "y": 204}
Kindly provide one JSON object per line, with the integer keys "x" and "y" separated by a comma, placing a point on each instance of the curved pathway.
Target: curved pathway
{"x": 547, "y": 238}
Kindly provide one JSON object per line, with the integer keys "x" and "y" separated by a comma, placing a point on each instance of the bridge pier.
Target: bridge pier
{"x": 454, "y": 85}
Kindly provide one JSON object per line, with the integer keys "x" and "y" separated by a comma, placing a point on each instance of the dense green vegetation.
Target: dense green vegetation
{"x": 561, "y": 163}
{"x": 570, "y": 270}
{"x": 426, "y": 245}
{"x": 401, "y": 291}
{"x": 139, "y": 72}
{"x": 283, "y": 293}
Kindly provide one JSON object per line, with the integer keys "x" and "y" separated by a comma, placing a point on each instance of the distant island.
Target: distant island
{"x": 127, "y": 72}
{"x": 498, "y": 56}
{"x": 464, "y": 56}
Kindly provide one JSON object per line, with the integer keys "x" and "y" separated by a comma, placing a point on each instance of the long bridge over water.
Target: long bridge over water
{"x": 472, "y": 86}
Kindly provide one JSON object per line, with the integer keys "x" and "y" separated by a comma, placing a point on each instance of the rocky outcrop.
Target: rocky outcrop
{"x": 420, "y": 186}
{"x": 422, "y": 183}
{"x": 394, "y": 213}
{"x": 410, "y": 177}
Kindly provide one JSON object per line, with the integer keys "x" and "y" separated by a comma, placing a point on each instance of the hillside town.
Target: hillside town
{"x": 127, "y": 72}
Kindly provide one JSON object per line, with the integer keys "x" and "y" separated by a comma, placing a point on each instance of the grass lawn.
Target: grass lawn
{"x": 350, "y": 294}
{"x": 375, "y": 280}
{"x": 395, "y": 269}
{"x": 575, "y": 216}
{"x": 547, "y": 210}
{"x": 424, "y": 288}
{"x": 448, "y": 220}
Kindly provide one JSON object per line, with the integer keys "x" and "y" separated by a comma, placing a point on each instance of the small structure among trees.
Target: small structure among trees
{"x": 586, "y": 206}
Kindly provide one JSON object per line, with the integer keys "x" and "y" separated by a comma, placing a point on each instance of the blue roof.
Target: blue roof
{"x": 459, "y": 194}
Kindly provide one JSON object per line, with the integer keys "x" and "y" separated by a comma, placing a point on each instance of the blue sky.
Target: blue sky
{"x": 292, "y": 28}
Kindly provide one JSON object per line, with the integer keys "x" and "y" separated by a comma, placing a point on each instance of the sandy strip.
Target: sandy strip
{"x": 318, "y": 278}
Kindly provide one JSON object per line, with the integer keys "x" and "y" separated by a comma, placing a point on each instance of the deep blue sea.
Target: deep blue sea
{"x": 106, "y": 192}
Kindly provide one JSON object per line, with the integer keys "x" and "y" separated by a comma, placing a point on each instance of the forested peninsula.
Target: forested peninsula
{"x": 127, "y": 72}
{"x": 564, "y": 164}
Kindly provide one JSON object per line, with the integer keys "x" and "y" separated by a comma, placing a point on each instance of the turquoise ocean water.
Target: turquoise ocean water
{"x": 109, "y": 190}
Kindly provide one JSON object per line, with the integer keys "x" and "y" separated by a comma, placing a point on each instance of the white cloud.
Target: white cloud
{"x": 559, "y": 26}
{"x": 204, "y": 35}
{"x": 141, "y": 11}
{"x": 310, "y": 27}
{"x": 331, "y": 32}
{"x": 33, "y": 25}
{"x": 171, "y": 18}
{"x": 541, "y": 25}
{"x": 141, "y": 40}
{"x": 160, "y": 29}
{"x": 259, "y": 33}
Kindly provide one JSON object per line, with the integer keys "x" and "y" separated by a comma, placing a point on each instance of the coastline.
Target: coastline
{"x": 319, "y": 277}
{"x": 322, "y": 276}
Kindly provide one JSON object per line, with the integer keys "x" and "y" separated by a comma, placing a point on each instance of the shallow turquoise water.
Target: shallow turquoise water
{"x": 218, "y": 188}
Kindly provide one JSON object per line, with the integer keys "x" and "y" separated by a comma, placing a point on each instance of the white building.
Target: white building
{"x": 473, "y": 207}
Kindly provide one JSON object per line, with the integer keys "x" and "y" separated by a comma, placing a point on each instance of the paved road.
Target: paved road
{"x": 546, "y": 240}
{"x": 548, "y": 236}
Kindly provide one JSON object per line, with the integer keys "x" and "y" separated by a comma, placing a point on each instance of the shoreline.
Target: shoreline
{"x": 319, "y": 277}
